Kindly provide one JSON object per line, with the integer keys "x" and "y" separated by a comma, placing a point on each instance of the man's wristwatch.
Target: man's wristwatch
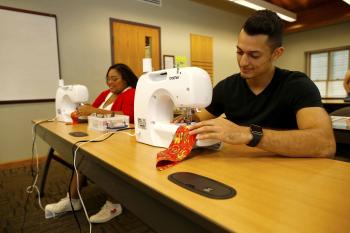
{"x": 257, "y": 133}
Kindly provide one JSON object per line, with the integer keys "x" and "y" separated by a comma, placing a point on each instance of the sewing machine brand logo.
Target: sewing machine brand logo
{"x": 174, "y": 77}
{"x": 141, "y": 123}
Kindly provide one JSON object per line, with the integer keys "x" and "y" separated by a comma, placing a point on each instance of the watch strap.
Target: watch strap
{"x": 257, "y": 133}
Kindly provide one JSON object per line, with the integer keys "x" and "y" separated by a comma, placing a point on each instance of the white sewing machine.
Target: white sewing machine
{"x": 68, "y": 98}
{"x": 156, "y": 95}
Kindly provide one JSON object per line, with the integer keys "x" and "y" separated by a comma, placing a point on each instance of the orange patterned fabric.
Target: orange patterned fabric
{"x": 179, "y": 148}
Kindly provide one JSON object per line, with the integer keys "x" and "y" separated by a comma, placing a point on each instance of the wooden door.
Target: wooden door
{"x": 202, "y": 53}
{"x": 131, "y": 42}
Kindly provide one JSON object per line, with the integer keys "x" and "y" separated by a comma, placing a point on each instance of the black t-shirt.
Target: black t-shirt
{"x": 275, "y": 107}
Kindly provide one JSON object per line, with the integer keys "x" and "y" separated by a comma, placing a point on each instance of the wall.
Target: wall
{"x": 85, "y": 53}
{"x": 297, "y": 44}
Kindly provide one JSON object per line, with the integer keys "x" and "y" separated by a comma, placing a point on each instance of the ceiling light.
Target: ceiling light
{"x": 261, "y": 5}
{"x": 347, "y": 1}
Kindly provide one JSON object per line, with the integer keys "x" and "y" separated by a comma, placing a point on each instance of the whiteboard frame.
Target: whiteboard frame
{"x": 35, "y": 100}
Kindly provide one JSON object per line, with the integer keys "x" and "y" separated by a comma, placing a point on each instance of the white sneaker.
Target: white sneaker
{"x": 59, "y": 208}
{"x": 107, "y": 212}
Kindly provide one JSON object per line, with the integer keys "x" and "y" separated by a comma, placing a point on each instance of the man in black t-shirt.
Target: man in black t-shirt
{"x": 274, "y": 109}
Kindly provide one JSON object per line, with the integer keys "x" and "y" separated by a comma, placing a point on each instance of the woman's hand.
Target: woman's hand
{"x": 221, "y": 129}
{"x": 86, "y": 110}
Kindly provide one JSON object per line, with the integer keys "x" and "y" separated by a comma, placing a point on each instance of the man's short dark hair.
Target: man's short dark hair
{"x": 268, "y": 23}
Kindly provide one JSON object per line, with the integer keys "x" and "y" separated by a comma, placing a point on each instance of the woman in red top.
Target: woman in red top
{"x": 119, "y": 99}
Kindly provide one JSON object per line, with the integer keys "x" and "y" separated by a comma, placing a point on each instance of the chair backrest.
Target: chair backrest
{"x": 341, "y": 112}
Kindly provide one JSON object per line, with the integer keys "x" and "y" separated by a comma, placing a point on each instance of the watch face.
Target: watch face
{"x": 257, "y": 133}
{"x": 256, "y": 128}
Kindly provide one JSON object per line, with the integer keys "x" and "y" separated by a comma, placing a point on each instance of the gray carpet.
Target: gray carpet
{"x": 13, "y": 183}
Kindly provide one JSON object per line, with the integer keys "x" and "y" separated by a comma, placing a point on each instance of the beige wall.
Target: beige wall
{"x": 85, "y": 53}
{"x": 297, "y": 44}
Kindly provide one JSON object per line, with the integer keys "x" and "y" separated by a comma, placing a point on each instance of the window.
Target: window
{"x": 327, "y": 69}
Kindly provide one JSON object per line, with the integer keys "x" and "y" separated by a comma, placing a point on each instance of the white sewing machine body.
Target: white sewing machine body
{"x": 68, "y": 98}
{"x": 156, "y": 95}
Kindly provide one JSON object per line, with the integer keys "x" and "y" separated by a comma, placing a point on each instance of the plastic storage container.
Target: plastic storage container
{"x": 107, "y": 123}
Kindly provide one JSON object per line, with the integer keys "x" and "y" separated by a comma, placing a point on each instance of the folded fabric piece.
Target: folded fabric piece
{"x": 179, "y": 148}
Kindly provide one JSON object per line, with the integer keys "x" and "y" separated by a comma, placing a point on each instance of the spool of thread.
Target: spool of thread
{"x": 75, "y": 117}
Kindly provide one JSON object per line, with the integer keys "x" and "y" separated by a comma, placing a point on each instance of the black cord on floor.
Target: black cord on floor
{"x": 25, "y": 213}
{"x": 70, "y": 199}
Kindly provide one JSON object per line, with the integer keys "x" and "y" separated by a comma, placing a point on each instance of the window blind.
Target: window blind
{"x": 327, "y": 70}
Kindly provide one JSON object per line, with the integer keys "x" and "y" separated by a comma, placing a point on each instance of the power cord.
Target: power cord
{"x": 75, "y": 148}
{"x": 34, "y": 173}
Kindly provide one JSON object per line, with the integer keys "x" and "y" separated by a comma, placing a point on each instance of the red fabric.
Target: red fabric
{"x": 178, "y": 150}
{"x": 124, "y": 102}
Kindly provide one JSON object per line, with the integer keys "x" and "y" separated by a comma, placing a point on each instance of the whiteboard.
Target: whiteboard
{"x": 29, "y": 60}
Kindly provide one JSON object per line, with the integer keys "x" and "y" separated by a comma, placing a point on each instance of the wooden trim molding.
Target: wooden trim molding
{"x": 21, "y": 163}
{"x": 324, "y": 15}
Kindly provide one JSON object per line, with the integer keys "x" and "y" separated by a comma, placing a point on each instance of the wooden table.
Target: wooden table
{"x": 274, "y": 194}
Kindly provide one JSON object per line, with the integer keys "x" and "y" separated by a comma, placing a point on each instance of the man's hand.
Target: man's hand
{"x": 221, "y": 129}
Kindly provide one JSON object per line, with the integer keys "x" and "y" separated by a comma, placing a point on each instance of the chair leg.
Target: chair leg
{"x": 46, "y": 170}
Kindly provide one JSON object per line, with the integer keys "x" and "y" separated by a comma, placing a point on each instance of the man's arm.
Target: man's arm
{"x": 314, "y": 138}
{"x": 203, "y": 115}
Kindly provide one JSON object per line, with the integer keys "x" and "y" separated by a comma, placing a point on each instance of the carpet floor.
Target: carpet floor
{"x": 13, "y": 211}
